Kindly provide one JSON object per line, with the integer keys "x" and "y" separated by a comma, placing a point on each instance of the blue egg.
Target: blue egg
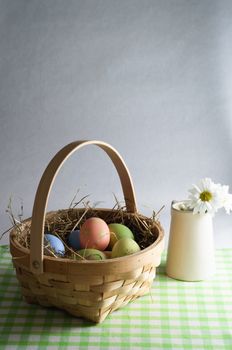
{"x": 55, "y": 243}
{"x": 74, "y": 240}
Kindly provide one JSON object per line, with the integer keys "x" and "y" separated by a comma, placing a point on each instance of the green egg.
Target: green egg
{"x": 118, "y": 231}
{"x": 125, "y": 246}
{"x": 91, "y": 254}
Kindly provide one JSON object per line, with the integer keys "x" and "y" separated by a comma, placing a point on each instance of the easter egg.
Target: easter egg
{"x": 91, "y": 254}
{"x": 125, "y": 246}
{"x": 118, "y": 231}
{"x": 94, "y": 233}
{"x": 54, "y": 244}
{"x": 74, "y": 239}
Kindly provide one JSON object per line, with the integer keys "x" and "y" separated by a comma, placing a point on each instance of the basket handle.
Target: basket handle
{"x": 45, "y": 185}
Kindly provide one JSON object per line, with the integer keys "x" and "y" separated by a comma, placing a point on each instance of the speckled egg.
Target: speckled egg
{"x": 74, "y": 239}
{"x": 54, "y": 244}
{"x": 118, "y": 231}
{"x": 94, "y": 233}
{"x": 125, "y": 246}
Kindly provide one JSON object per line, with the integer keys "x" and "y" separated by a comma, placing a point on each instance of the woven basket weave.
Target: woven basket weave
{"x": 84, "y": 288}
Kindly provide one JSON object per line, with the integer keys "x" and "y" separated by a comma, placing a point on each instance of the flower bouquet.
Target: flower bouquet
{"x": 208, "y": 197}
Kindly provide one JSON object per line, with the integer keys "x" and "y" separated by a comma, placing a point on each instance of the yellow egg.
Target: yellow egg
{"x": 125, "y": 246}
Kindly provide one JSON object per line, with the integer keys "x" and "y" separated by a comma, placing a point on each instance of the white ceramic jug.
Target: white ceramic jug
{"x": 190, "y": 255}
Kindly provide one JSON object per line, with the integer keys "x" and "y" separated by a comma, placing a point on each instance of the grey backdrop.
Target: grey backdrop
{"x": 153, "y": 78}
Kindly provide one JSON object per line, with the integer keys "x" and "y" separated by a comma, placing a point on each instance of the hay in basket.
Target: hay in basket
{"x": 84, "y": 288}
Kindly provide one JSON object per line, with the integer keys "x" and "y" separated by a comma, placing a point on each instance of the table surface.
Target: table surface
{"x": 175, "y": 315}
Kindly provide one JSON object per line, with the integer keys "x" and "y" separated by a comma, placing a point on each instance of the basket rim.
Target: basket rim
{"x": 27, "y": 251}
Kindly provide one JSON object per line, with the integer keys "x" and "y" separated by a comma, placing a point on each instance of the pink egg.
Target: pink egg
{"x": 94, "y": 233}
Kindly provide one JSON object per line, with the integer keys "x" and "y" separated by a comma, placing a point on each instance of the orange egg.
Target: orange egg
{"x": 94, "y": 233}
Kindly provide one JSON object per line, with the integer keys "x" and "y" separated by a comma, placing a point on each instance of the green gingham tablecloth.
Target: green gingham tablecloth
{"x": 176, "y": 315}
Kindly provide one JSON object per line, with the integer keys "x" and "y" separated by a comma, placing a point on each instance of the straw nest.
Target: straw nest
{"x": 62, "y": 222}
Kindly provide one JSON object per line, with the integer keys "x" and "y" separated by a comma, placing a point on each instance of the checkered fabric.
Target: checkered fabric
{"x": 176, "y": 315}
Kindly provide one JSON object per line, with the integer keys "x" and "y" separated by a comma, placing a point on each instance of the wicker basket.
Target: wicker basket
{"x": 84, "y": 288}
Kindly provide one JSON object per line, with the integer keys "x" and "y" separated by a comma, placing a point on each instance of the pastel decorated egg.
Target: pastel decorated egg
{"x": 91, "y": 254}
{"x": 53, "y": 244}
{"x": 118, "y": 231}
{"x": 74, "y": 239}
{"x": 94, "y": 233}
{"x": 125, "y": 246}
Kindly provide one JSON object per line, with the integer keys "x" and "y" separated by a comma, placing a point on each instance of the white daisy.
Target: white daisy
{"x": 225, "y": 198}
{"x": 204, "y": 197}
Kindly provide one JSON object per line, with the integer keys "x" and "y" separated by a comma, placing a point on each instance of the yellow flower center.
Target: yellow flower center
{"x": 206, "y": 196}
